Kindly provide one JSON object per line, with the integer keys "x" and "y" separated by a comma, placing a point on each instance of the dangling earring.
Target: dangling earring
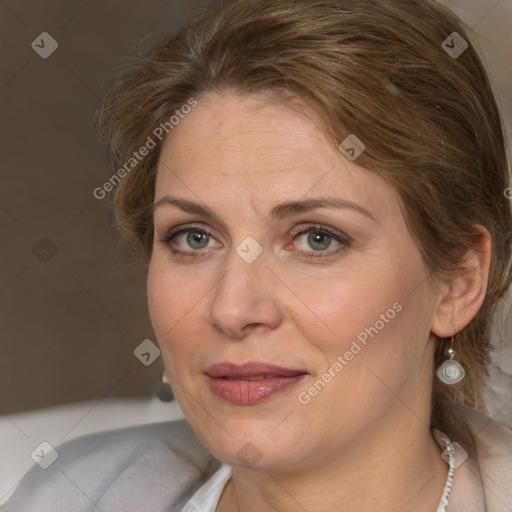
{"x": 165, "y": 391}
{"x": 451, "y": 372}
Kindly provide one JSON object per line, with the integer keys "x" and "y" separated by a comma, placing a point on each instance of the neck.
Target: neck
{"x": 386, "y": 469}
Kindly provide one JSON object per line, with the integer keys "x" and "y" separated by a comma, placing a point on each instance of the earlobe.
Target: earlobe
{"x": 461, "y": 298}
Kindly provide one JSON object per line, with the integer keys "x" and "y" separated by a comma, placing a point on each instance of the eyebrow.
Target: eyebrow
{"x": 280, "y": 211}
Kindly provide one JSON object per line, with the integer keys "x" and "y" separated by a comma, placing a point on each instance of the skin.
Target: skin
{"x": 363, "y": 442}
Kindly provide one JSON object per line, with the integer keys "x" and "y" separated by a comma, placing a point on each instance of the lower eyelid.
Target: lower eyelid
{"x": 330, "y": 252}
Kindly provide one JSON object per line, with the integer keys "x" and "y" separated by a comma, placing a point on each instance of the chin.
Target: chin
{"x": 257, "y": 444}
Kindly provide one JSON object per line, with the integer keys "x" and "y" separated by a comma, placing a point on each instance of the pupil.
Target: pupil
{"x": 195, "y": 237}
{"x": 319, "y": 241}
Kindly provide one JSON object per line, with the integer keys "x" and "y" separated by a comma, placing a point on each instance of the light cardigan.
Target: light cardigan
{"x": 159, "y": 467}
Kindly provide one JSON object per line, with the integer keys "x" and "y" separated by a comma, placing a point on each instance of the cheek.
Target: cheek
{"x": 376, "y": 350}
{"x": 382, "y": 312}
{"x": 173, "y": 309}
{"x": 160, "y": 300}
{"x": 343, "y": 307}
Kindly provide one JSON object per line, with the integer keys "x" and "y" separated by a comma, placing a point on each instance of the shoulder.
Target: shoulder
{"x": 492, "y": 440}
{"x": 152, "y": 467}
{"x": 490, "y": 444}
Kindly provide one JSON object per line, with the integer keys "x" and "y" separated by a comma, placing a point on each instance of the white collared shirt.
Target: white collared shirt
{"x": 208, "y": 495}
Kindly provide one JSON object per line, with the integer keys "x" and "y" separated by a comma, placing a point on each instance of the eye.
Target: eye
{"x": 316, "y": 240}
{"x": 189, "y": 240}
{"x": 320, "y": 241}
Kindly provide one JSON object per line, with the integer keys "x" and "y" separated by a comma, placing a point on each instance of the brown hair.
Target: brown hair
{"x": 376, "y": 69}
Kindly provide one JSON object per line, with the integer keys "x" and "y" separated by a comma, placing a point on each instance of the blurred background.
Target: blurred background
{"x": 72, "y": 300}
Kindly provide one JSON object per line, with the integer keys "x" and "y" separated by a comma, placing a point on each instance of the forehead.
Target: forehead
{"x": 227, "y": 125}
{"x": 250, "y": 151}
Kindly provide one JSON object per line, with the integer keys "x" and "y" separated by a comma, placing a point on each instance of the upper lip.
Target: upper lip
{"x": 251, "y": 369}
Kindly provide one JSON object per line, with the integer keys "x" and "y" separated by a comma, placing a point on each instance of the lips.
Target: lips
{"x": 250, "y": 371}
{"x": 251, "y": 383}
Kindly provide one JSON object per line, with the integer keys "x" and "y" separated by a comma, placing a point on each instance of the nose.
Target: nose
{"x": 245, "y": 299}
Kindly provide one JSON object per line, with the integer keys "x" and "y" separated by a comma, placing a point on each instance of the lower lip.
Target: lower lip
{"x": 244, "y": 392}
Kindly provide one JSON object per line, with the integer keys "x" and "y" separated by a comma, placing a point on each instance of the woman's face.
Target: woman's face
{"x": 333, "y": 294}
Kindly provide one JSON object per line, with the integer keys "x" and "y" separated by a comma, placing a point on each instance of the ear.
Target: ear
{"x": 461, "y": 298}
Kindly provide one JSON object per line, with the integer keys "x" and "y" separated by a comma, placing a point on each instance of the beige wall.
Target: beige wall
{"x": 72, "y": 303}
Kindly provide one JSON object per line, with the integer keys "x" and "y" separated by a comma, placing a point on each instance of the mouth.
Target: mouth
{"x": 250, "y": 379}
{"x": 251, "y": 383}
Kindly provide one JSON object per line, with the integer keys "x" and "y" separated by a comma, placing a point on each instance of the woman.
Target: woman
{"x": 318, "y": 187}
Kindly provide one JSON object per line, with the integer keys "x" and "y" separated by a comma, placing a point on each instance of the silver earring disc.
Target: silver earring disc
{"x": 451, "y": 372}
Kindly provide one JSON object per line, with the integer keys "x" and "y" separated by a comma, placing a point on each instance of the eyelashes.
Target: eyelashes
{"x": 318, "y": 237}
